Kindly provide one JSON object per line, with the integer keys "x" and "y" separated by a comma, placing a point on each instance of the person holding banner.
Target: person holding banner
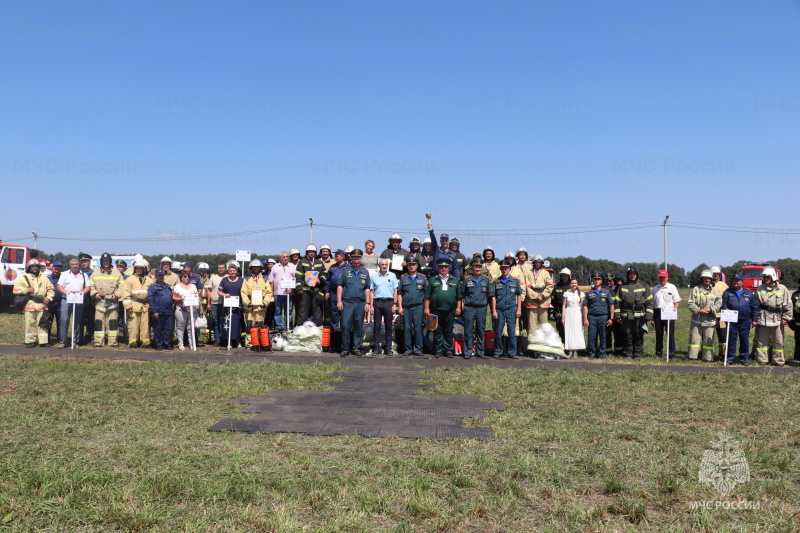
{"x": 73, "y": 281}
{"x": 183, "y": 312}
{"x": 231, "y": 327}
{"x": 738, "y": 298}
{"x": 159, "y": 296}
{"x": 705, "y": 303}
{"x": 665, "y": 296}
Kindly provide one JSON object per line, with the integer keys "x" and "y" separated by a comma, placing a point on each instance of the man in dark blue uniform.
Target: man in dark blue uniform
{"x": 598, "y": 313}
{"x": 443, "y": 298}
{"x": 55, "y": 304}
{"x": 354, "y": 295}
{"x": 738, "y": 298}
{"x": 411, "y": 296}
{"x": 475, "y": 289}
{"x": 443, "y": 251}
{"x": 506, "y": 308}
{"x": 334, "y": 271}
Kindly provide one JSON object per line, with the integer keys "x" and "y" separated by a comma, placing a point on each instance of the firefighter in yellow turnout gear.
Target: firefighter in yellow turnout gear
{"x": 774, "y": 312}
{"x": 705, "y": 305}
{"x": 105, "y": 290}
{"x": 40, "y": 292}
{"x": 134, "y": 300}
{"x": 256, "y": 296}
{"x": 539, "y": 288}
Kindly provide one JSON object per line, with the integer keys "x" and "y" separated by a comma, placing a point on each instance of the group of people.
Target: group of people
{"x": 428, "y": 286}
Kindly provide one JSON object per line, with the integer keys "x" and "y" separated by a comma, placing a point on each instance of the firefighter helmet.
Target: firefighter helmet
{"x": 311, "y": 247}
{"x": 395, "y": 237}
{"x": 537, "y": 257}
{"x": 716, "y": 269}
{"x": 706, "y": 274}
{"x": 32, "y": 262}
{"x": 203, "y": 266}
{"x": 256, "y": 263}
{"x": 294, "y": 251}
{"x": 566, "y": 271}
{"x": 325, "y": 247}
{"x": 769, "y": 271}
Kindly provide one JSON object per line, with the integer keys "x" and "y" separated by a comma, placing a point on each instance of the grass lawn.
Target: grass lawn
{"x": 89, "y": 445}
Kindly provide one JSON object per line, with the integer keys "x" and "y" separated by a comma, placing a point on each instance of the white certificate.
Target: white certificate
{"x": 288, "y": 283}
{"x": 231, "y": 301}
{"x": 257, "y": 298}
{"x": 243, "y": 255}
{"x": 191, "y": 300}
{"x": 669, "y": 314}
{"x": 74, "y": 298}
{"x": 729, "y": 315}
{"x": 397, "y": 262}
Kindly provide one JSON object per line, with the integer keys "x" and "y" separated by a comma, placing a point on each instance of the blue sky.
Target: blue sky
{"x": 152, "y": 120}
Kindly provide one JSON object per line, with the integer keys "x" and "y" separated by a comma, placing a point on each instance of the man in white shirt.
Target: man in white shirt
{"x": 76, "y": 282}
{"x": 665, "y": 296}
{"x": 282, "y": 277}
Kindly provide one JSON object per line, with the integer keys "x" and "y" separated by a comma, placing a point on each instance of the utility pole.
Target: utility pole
{"x": 311, "y": 238}
{"x": 35, "y": 240}
{"x": 666, "y": 219}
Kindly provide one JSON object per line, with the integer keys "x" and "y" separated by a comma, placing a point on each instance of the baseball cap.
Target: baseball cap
{"x": 663, "y": 273}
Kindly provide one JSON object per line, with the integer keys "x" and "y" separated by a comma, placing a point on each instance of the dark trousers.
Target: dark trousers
{"x": 88, "y": 321}
{"x": 310, "y": 307}
{"x": 412, "y": 324}
{"x": 597, "y": 336}
{"x": 474, "y": 328}
{"x": 352, "y": 326}
{"x": 507, "y": 318}
{"x": 162, "y": 330}
{"x": 443, "y": 335}
{"x": 741, "y": 330}
{"x": 382, "y": 313}
{"x": 634, "y": 336}
{"x": 661, "y": 326}
{"x": 63, "y": 322}
{"x": 336, "y": 315}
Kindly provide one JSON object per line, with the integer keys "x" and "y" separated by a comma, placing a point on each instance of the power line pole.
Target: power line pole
{"x": 311, "y": 239}
{"x": 666, "y": 219}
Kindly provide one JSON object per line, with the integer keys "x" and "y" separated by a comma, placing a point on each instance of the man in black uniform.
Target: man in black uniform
{"x": 633, "y": 306}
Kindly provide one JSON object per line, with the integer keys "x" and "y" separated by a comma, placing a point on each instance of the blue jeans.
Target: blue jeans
{"x": 216, "y": 309}
{"x": 281, "y": 303}
{"x": 63, "y": 324}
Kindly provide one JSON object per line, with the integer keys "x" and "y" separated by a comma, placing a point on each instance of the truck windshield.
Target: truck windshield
{"x": 753, "y": 272}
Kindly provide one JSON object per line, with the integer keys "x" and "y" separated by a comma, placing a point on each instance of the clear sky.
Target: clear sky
{"x": 155, "y": 120}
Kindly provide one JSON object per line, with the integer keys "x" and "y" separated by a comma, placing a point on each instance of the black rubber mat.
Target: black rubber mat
{"x": 375, "y": 401}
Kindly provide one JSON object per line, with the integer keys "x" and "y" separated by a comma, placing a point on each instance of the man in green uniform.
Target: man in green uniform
{"x": 506, "y": 308}
{"x": 443, "y": 298}
{"x": 354, "y": 297}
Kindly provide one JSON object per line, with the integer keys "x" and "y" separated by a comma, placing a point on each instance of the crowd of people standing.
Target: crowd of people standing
{"x": 429, "y": 285}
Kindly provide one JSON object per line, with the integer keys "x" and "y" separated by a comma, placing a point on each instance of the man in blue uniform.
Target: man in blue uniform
{"x": 506, "y": 295}
{"x": 334, "y": 271}
{"x": 475, "y": 289}
{"x": 738, "y": 298}
{"x": 443, "y": 251}
{"x": 598, "y": 313}
{"x": 159, "y": 296}
{"x": 411, "y": 295}
{"x": 354, "y": 295}
{"x": 443, "y": 298}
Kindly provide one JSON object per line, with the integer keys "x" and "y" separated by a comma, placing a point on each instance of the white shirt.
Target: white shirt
{"x": 183, "y": 291}
{"x": 213, "y": 286}
{"x": 665, "y": 297}
{"x": 73, "y": 282}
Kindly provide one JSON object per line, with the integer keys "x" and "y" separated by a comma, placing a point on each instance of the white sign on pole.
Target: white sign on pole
{"x": 191, "y": 300}
{"x": 231, "y": 301}
{"x": 288, "y": 283}
{"x": 729, "y": 315}
{"x": 243, "y": 255}
{"x": 74, "y": 298}
{"x": 669, "y": 314}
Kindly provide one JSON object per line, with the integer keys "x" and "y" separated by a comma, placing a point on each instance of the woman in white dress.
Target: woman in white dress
{"x": 572, "y": 318}
{"x": 182, "y": 313}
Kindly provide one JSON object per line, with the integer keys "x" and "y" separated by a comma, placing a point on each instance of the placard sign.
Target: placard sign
{"x": 191, "y": 300}
{"x": 669, "y": 314}
{"x": 74, "y": 298}
{"x": 397, "y": 262}
{"x": 243, "y": 255}
{"x": 231, "y": 301}
{"x": 288, "y": 283}
{"x": 729, "y": 315}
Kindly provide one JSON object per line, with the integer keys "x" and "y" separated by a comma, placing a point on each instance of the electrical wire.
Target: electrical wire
{"x": 737, "y": 230}
{"x": 176, "y": 238}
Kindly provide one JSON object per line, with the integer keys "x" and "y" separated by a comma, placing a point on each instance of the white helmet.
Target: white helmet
{"x": 166, "y": 259}
{"x": 311, "y": 247}
{"x": 566, "y": 271}
{"x": 426, "y": 240}
{"x": 769, "y": 271}
{"x": 395, "y": 236}
{"x": 522, "y": 249}
{"x": 706, "y": 274}
{"x": 271, "y": 260}
{"x": 511, "y": 253}
{"x": 201, "y": 266}
{"x": 349, "y": 248}
{"x": 325, "y": 247}
{"x": 294, "y": 251}
{"x": 232, "y": 262}
{"x": 177, "y": 265}
{"x": 256, "y": 263}
{"x": 139, "y": 263}
{"x": 537, "y": 257}
{"x": 716, "y": 269}
{"x": 414, "y": 240}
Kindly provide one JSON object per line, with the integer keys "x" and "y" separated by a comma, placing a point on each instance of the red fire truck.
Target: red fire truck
{"x": 752, "y": 273}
